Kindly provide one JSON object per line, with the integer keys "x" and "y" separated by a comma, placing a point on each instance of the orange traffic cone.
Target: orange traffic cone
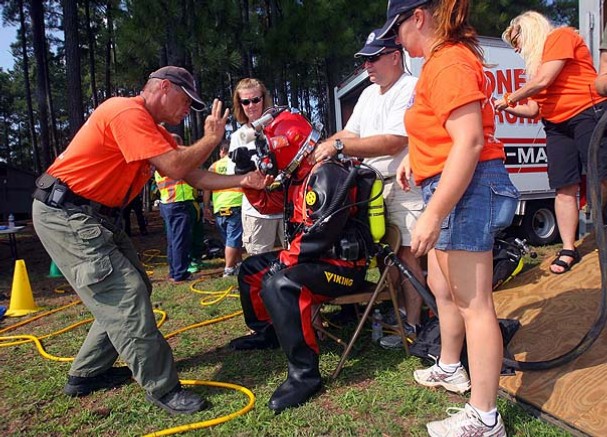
{"x": 22, "y": 299}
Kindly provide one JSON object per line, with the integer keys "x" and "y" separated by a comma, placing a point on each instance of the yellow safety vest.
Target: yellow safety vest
{"x": 226, "y": 198}
{"x": 172, "y": 190}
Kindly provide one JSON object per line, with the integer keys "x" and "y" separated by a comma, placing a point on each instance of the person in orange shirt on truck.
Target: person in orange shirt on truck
{"x": 469, "y": 197}
{"x": 561, "y": 89}
{"x": 76, "y": 212}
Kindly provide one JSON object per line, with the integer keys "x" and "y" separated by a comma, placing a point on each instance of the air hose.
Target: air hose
{"x": 340, "y": 197}
{"x": 338, "y": 200}
{"x": 594, "y": 189}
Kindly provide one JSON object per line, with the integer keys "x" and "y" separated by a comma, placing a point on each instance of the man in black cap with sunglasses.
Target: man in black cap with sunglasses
{"x": 76, "y": 216}
{"x": 376, "y": 132}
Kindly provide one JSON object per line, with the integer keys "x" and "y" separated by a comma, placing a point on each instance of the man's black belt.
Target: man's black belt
{"x": 53, "y": 192}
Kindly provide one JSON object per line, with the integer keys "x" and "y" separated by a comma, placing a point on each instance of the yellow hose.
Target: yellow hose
{"x": 26, "y": 338}
{"x": 212, "y": 298}
{"x": 210, "y": 422}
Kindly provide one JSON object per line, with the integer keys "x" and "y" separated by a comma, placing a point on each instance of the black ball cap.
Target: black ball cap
{"x": 183, "y": 79}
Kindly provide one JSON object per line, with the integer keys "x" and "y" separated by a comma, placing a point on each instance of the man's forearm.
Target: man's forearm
{"x": 178, "y": 163}
{"x": 205, "y": 180}
{"x": 376, "y": 145}
{"x": 189, "y": 158}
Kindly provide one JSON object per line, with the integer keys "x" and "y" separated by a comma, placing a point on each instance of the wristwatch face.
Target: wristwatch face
{"x": 339, "y": 146}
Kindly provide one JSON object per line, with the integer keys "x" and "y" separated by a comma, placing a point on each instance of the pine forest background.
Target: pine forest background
{"x": 71, "y": 55}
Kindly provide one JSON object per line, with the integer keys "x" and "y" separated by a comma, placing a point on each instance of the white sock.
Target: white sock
{"x": 449, "y": 368}
{"x": 489, "y": 418}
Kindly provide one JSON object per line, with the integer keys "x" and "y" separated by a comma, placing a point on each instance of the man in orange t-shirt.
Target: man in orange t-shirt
{"x": 75, "y": 213}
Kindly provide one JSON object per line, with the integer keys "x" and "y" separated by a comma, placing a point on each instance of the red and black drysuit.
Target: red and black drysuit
{"x": 278, "y": 289}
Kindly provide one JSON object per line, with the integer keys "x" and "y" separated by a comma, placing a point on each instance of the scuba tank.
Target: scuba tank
{"x": 377, "y": 222}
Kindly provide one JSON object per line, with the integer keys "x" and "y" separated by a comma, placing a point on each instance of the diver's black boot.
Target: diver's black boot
{"x": 265, "y": 339}
{"x": 303, "y": 382}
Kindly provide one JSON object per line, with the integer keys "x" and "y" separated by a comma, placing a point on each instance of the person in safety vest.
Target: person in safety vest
{"x": 227, "y": 204}
{"x": 327, "y": 255}
{"x": 178, "y": 208}
{"x": 76, "y": 213}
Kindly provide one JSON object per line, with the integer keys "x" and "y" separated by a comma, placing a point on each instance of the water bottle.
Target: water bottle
{"x": 376, "y": 327}
{"x": 11, "y": 220}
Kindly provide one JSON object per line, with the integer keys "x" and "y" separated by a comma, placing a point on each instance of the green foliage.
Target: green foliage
{"x": 301, "y": 49}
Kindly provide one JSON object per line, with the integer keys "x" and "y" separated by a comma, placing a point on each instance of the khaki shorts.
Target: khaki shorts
{"x": 403, "y": 208}
{"x": 260, "y": 235}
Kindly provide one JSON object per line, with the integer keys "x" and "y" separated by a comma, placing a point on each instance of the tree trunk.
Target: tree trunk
{"x": 91, "y": 43}
{"x": 37, "y": 16}
{"x": 72, "y": 64}
{"x": 245, "y": 52}
{"x": 108, "y": 50}
{"x": 294, "y": 89}
{"x": 28, "y": 90}
{"x": 49, "y": 98}
{"x": 331, "y": 81}
{"x": 7, "y": 131}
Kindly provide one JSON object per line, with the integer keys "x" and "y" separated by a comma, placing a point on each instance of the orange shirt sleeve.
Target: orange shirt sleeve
{"x": 572, "y": 91}
{"x": 137, "y": 135}
{"x": 454, "y": 86}
{"x": 559, "y": 46}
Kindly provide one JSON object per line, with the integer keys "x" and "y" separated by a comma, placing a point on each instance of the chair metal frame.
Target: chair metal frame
{"x": 384, "y": 289}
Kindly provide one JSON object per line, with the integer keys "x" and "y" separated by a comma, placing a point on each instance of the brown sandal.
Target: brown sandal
{"x": 566, "y": 266}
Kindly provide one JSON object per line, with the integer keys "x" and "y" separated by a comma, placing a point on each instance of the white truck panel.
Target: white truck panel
{"x": 524, "y": 139}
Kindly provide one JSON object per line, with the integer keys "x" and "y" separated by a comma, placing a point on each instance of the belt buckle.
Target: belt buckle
{"x": 225, "y": 212}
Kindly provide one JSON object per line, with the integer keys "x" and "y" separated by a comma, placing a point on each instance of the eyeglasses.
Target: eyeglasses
{"x": 401, "y": 19}
{"x": 254, "y": 100}
{"x": 375, "y": 58}
{"x": 514, "y": 40}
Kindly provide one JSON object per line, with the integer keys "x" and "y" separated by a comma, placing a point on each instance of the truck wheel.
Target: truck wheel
{"x": 539, "y": 224}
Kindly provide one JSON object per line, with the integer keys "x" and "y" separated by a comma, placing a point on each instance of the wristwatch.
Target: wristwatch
{"x": 339, "y": 146}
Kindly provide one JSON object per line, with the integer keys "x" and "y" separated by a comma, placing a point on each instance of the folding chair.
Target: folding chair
{"x": 372, "y": 293}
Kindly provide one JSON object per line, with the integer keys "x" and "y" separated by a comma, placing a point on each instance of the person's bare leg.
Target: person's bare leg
{"x": 567, "y": 216}
{"x": 452, "y": 329}
{"x": 232, "y": 256}
{"x": 469, "y": 275}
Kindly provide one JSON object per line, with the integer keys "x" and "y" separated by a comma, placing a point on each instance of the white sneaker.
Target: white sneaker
{"x": 465, "y": 422}
{"x": 231, "y": 271}
{"x": 435, "y": 376}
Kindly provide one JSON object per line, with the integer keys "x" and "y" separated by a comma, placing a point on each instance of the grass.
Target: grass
{"x": 374, "y": 396}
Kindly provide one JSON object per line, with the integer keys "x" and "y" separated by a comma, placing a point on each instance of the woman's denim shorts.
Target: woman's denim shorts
{"x": 487, "y": 207}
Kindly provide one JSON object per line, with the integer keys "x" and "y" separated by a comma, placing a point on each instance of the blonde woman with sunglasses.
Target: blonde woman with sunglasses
{"x": 250, "y": 99}
{"x": 560, "y": 89}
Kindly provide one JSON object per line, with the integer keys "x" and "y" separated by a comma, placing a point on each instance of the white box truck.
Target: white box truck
{"x": 523, "y": 139}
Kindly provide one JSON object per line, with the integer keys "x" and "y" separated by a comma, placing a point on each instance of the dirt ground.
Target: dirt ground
{"x": 38, "y": 262}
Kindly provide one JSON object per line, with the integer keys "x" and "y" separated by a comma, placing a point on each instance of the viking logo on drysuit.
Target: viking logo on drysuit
{"x": 341, "y": 280}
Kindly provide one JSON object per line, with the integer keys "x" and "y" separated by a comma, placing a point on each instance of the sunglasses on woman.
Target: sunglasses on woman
{"x": 247, "y": 102}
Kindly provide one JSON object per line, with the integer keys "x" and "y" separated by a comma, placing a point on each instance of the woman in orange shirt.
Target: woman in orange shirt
{"x": 469, "y": 197}
{"x": 560, "y": 88}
